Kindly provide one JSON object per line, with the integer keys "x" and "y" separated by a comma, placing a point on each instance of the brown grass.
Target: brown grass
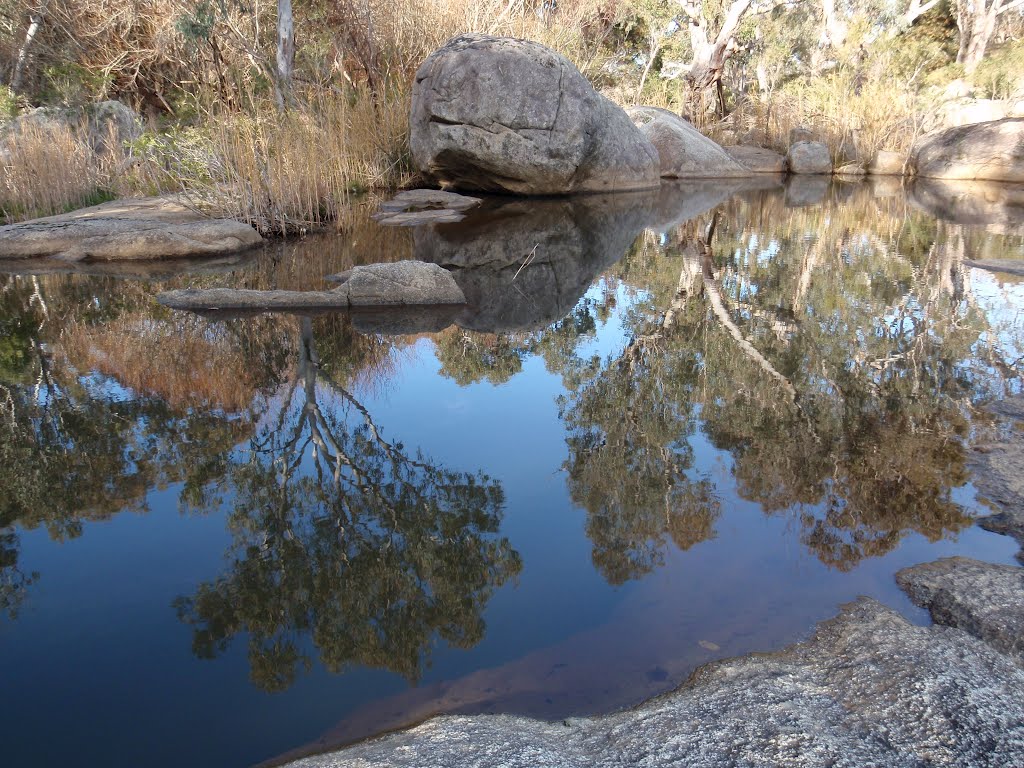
{"x": 45, "y": 170}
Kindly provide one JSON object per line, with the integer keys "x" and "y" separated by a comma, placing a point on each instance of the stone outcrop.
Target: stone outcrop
{"x": 809, "y": 157}
{"x": 106, "y": 125}
{"x": 683, "y": 151}
{"x": 125, "y": 230}
{"x": 983, "y": 599}
{"x": 401, "y": 283}
{"x": 992, "y": 151}
{"x": 504, "y": 115}
{"x": 758, "y": 159}
{"x": 868, "y": 689}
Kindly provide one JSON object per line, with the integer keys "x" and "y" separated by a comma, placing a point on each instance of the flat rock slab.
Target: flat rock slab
{"x": 868, "y": 689}
{"x": 126, "y": 230}
{"x": 984, "y": 599}
{"x": 399, "y": 284}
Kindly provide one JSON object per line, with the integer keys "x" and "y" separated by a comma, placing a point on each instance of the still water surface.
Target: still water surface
{"x": 670, "y": 428}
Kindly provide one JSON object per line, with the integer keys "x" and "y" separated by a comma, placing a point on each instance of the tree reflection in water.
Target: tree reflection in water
{"x": 347, "y": 539}
{"x": 74, "y": 446}
{"x": 834, "y": 352}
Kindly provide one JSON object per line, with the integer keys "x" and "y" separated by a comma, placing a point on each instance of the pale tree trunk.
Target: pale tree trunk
{"x": 976, "y": 20}
{"x": 285, "y": 53}
{"x": 35, "y": 20}
{"x": 916, "y": 10}
{"x": 711, "y": 51}
{"x": 834, "y": 30}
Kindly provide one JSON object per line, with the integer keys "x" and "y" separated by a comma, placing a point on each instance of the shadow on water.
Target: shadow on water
{"x": 761, "y": 400}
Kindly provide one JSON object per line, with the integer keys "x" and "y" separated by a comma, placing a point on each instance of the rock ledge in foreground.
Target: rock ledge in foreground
{"x": 868, "y": 689}
{"x": 983, "y": 599}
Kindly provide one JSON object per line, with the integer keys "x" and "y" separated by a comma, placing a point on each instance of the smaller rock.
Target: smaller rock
{"x": 809, "y": 157}
{"x": 683, "y": 151}
{"x": 984, "y": 599}
{"x": 887, "y": 163}
{"x": 758, "y": 159}
{"x": 401, "y": 282}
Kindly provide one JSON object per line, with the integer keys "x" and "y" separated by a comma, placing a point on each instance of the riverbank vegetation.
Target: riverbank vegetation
{"x": 275, "y": 112}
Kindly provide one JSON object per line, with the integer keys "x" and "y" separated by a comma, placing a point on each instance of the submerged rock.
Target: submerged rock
{"x": 758, "y": 159}
{"x": 809, "y": 157}
{"x": 424, "y": 206}
{"x": 505, "y": 115}
{"x": 683, "y": 151}
{"x": 132, "y": 229}
{"x": 991, "y": 151}
{"x": 984, "y": 599}
{"x": 868, "y": 689}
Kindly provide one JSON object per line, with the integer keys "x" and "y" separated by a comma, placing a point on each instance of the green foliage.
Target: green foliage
{"x": 1001, "y": 73}
{"x": 73, "y": 85}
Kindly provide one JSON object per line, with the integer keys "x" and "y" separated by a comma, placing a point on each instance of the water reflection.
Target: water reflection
{"x": 75, "y": 447}
{"x": 711, "y": 358}
{"x": 346, "y": 539}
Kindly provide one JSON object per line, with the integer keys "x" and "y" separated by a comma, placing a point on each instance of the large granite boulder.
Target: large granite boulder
{"x": 992, "y": 151}
{"x": 809, "y": 157}
{"x": 126, "y": 230}
{"x": 758, "y": 159}
{"x": 683, "y": 151}
{"x": 503, "y": 115}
